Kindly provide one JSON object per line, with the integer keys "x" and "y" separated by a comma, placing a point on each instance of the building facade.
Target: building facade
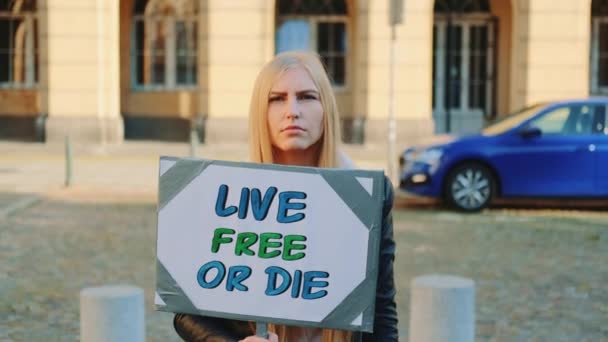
{"x": 108, "y": 70}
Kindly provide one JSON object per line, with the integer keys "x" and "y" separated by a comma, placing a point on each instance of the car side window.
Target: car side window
{"x": 583, "y": 122}
{"x": 601, "y": 120}
{"x": 566, "y": 120}
{"x": 553, "y": 122}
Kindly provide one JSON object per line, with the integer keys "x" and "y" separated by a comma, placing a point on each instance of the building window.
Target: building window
{"x": 164, "y": 49}
{"x": 317, "y": 25}
{"x": 18, "y": 44}
{"x": 462, "y": 6}
{"x": 599, "y": 47}
{"x": 463, "y": 64}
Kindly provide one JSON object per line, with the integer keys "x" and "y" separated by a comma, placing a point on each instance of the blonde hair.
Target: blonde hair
{"x": 291, "y": 334}
{"x": 260, "y": 147}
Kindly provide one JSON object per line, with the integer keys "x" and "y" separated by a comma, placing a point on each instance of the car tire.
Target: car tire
{"x": 470, "y": 187}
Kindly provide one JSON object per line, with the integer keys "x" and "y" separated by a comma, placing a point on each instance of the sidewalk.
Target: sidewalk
{"x": 128, "y": 171}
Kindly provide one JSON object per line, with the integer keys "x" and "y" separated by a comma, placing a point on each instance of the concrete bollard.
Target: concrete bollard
{"x": 112, "y": 314}
{"x": 442, "y": 309}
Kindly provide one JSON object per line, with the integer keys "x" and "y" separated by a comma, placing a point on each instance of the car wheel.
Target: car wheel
{"x": 470, "y": 187}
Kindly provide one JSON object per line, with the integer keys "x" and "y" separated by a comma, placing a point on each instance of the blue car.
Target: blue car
{"x": 553, "y": 150}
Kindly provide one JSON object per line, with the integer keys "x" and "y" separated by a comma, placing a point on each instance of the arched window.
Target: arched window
{"x": 599, "y": 47}
{"x": 461, "y": 6}
{"x": 317, "y": 25}
{"x": 164, "y": 44}
{"x": 18, "y": 44}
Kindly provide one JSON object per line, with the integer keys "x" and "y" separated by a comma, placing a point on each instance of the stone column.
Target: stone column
{"x": 551, "y": 50}
{"x": 235, "y": 58}
{"x": 82, "y": 71}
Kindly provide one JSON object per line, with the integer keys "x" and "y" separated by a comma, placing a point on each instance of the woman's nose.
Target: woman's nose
{"x": 293, "y": 109}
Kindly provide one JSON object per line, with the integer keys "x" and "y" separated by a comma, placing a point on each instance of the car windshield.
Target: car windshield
{"x": 505, "y": 123}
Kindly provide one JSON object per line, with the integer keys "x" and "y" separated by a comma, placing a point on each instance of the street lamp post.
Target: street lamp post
{"x": 395, "y": 18}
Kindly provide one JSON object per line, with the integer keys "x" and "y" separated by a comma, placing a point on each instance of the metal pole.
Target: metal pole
{"x": 448, "y": 106}
{"x": 392, "y": 125}
{"x": 193, "y": 142}
{"x": 101, "y": 71}
{"x": 68, "y": 161}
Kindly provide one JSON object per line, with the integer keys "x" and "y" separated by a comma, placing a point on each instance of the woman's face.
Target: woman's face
{"x": 295, "y": 113}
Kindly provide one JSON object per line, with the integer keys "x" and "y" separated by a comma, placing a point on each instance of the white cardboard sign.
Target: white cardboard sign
{"x": 279, "y": 244}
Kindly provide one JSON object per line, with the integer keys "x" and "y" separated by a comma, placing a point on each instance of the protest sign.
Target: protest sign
{"x": 263, "y": 242}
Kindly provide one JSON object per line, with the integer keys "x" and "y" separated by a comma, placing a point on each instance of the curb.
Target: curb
{"x": 20, "y": 204}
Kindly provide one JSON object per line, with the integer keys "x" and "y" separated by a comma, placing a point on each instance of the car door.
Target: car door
{"x": 601, "y": 130}
{"x": 560, "y": 161}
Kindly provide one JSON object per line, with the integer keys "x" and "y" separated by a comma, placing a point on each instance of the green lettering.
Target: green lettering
{"x": 218, "y": 239}
{"x": 291, "y": 245}
{"x": 243, "y": 242}
{"x": 265, "y": 243}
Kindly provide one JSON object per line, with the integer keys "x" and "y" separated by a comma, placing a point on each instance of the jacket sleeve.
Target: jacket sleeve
{"x": 385, "y": 320}
{"x": 192, "y": 328}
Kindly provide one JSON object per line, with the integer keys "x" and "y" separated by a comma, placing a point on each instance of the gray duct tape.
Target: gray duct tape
{"x": 258, "y": 166}
{"x": 373, "y": 245}
{"x": 173, "y": 296}
{"x": 371, "y": 215}
{"x": 177, "y": 177}
{"x": 352, "y": 306}
{"x": 353, "y": 194}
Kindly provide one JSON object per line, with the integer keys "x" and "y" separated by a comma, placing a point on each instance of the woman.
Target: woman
{"x": 293, "y": 120}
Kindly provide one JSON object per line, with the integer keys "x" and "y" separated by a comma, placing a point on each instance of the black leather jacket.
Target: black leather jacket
{"x": 208, "y": 329}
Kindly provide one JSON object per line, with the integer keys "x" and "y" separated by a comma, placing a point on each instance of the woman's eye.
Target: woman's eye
{"x": 308, "y": 97}
{"x": 275, "y": 99}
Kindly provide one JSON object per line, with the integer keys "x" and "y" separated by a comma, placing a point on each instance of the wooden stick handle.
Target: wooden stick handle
{"x": 261, "y": 329}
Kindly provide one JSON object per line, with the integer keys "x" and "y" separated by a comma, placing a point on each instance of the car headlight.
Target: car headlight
{"x": 409, "y": 155}
{"x": 431, "y": 157}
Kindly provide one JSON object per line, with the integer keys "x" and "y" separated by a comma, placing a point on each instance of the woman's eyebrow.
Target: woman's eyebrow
{"x": 307, "y": 91}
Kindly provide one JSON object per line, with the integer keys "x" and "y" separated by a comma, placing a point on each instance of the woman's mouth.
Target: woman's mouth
{"x": 293, "y": 128}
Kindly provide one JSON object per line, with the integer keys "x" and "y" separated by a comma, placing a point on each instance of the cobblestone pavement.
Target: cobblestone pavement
{"x": 541, "y": 275}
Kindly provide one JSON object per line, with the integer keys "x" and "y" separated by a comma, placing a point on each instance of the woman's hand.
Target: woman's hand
{"x": 272, "y": 337}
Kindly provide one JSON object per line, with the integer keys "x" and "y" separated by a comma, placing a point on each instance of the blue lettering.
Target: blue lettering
{"x": 297, "y": 282}
{"x": 243, "y": 205}
{"x": 236, "y": 274}
{"x": 310, "y": 282}
{"x": 285, "y": 205}
{"x": 220, "y": 204}
{"x": 271, "y": 288}
{"x": 261, "y": 206}
{"x": 202, "y": 273}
